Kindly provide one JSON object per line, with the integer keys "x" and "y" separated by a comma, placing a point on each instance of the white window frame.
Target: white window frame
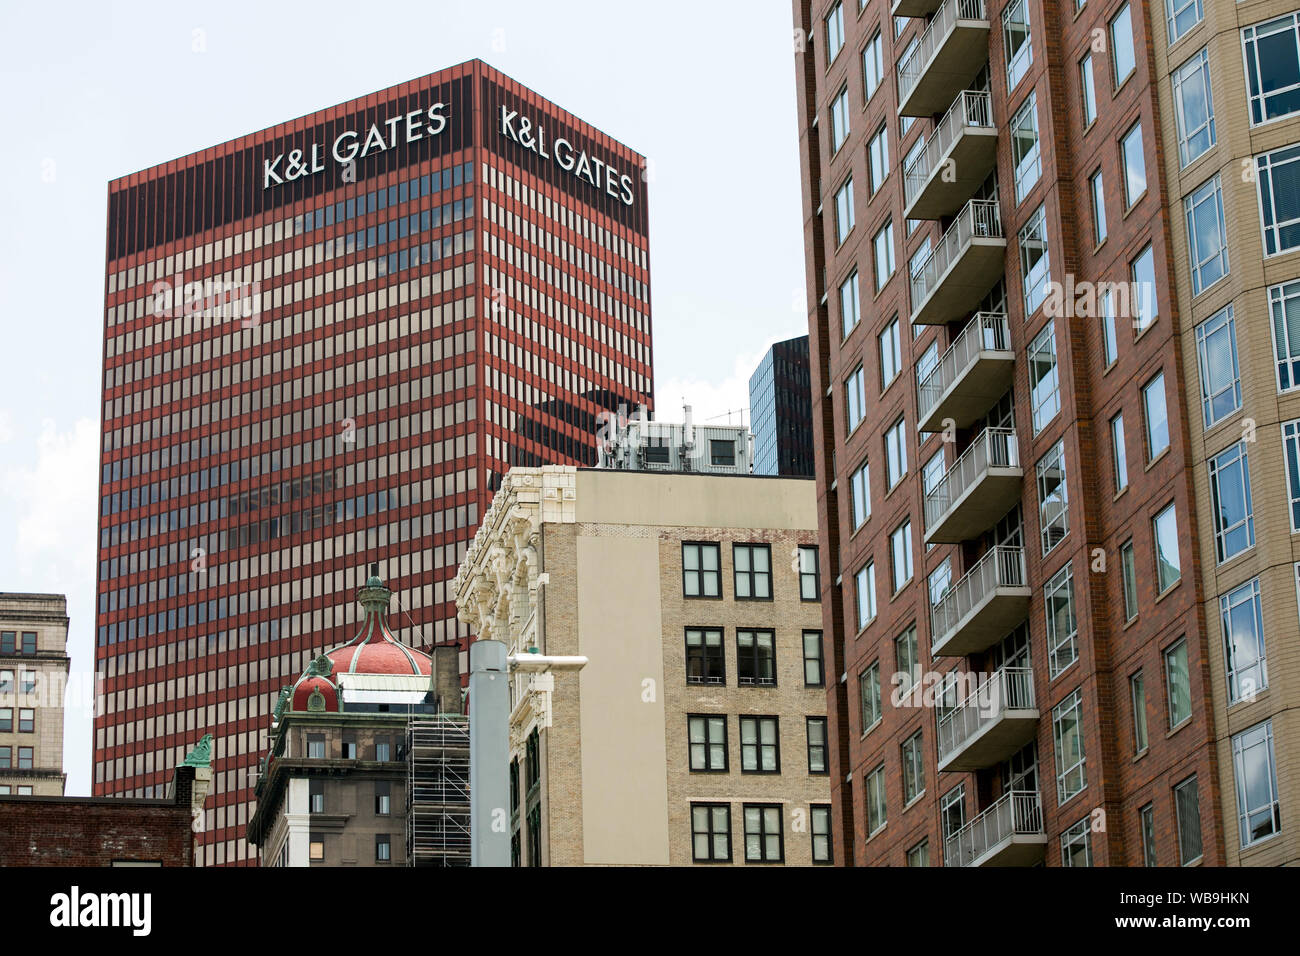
{"x": 1287, "y": 366}
{"x": 1258, "y": 736}
{"x": 1127, "y": 143}
{"x": 841, "y": 123}
{"x": 849, "y": 287}
{"x": 1265, "y": 165}
{"x": 1257, "y": 102}
{"x": 855, "y": 399}
{"x": 887, "y": 233}
{"x": 1246, "y": 677}
{"x": 1035, "y": 275}
{"x": 1174, "y": 10}
{"x": 900, "y": 556}
{"x": 1020, "y": 59}
{"x": 1162, "y": 548}
{"x": 891, "y": 353}
{"x": 1209, "y": 250}
{"x": 1291, "y": 457}
{"x": 860, "y": 495}
{"x": 845, "y": 214}
{"x": 1062, "y": 636}
{"x": 1116, "y": 46}
{"x": 1026, "y": 168}
{"x": 1234, "y": 462}
{"x": 895, "y": 453}
{"x": 1044, "y": 389}
{"x": 1209, "y": 336}
{"x": 1072, "y": 764}
{"x": 1195, "y": 70}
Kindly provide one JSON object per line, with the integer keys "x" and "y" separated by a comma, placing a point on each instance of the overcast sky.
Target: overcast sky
{"x": 95, "y": 90}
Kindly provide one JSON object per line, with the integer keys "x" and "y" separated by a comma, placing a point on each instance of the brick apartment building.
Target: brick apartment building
{"x": 1058, "y": 472}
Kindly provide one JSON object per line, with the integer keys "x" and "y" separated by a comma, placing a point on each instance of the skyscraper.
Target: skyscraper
{"x": 780, "y": 411}
{"x": 1044, "y": 500}
{"x": 324, "y": 344}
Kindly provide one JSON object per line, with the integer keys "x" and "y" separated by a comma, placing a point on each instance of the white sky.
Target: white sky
{"x": 95, "y": 90}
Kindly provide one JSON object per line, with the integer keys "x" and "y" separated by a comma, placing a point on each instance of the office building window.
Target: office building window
{"x": 839, "y": 120}
{"x": 1044, "y": 383}
{"x": 1242, "y": 614}
{"x": 1097, "y": 189}
{"x": 1067, "y": 732}
{"x": 895, "y": 453}
{"x": 701, "y": 570}
{"x": 876, "y": 815}
{"x": 878, "y": 159}
{"x": 1232, "y": 511}
{"x": 873, "y": 66}
{"x": 1138, "y": 697}
{"x": 1272, "y": 52}
{"x": 869, "y": 692}
{"x": 1016, "y": 41}
{"x": 891, "y": 353}
{"x": 764, "y": 839}
{"x": 1178, "y": 683}
{"x": 707, "y": 738}
{"x": 25, "y": 758}
{"x": 1183, "y": 15}
{"x": 1135, "y": 170}
{"x": 1207, "y": 235}
{"x": 913, "y": 768}
{"x": 1076, "y": 844}
{"x": 1291, "y": 455}
{"x": 1129, "y": 566}
{"x": 1123, "y": 56}
{"x": 1284, "y": 306}
{"x": 834, "y": 33}
{"x": 1259, "y": 812}
{"x": 26, "y": 720}
{"x": 860, "y": 493}
{"x": 820, "y": 818}
{"x": 1216, "y": 353}
{"x": 849, "y": 314}
{"x": 1147, "y": 823}
{"x": 1278, "y": 181}
{"x": 883, "y": 246}
{"x": 1025, "y": 163}
{"x": 1156, "y": 416}
{"x": 756, "y": 658}
{"x": 1187, "y": 806}
{"x": 753, "y": 571}
{"x": 1035, "y": 264}
{"x": 1062, "y": 621}
{"x": 1194, "y": 107}
{"x": 1145, "y": 303}
{"x": 855, "y": 398}
{"x": 809, "y": 573}
{"x": 705, "y": 661}
{"x": 760, "y": 745}
{"x": 900, "y": 550}
{"x": 1088, "y": 89}
{"x": 28, "y": 648}
{"x": 816, "y": 728}
{"x": 1119, "y": 454}
{"x": 711, "y": 832}
{"x": 1053, "y": 499}
{"x": 865, "y": 588}
{"x": 814, "y": 663}
{"x": 844, "y": 212}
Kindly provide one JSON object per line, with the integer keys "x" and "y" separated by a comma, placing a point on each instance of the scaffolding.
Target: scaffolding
{"x": 437, "y": 812}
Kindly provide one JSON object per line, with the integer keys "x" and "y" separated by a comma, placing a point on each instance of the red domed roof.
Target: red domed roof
{"x": 302, "y": 692}
{"x": 375, "y": 650}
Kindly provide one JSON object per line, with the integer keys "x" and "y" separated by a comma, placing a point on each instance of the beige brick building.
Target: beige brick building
{"x": 696, "y": 731}
{"x": 33, "y": 675}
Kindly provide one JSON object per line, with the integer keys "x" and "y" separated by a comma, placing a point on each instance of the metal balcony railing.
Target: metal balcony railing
{"x": 992, "y": 448}
{"x": 944, "y": 22}
{"x": 978, "y": 219}
{"x": 1008, "y": 688}
{"x": 1016, "y": 813}
{"x": 986, "y": 332}
{"x": 1001, "y": 567}
{"x": 970, "y": 108}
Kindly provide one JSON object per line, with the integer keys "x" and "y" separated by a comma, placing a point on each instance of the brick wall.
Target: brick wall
{"x": 93, "y": 832}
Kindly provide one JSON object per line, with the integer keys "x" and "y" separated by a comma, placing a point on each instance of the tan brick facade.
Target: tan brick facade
{"x": 33, "y": 654}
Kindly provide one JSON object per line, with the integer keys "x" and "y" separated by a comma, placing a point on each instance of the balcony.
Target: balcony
{"x": 914, "y": 8}
{"x": 956, "y": 159}
{"x": 983, "y": 606}
{"x": 951, "y": 51}
{"x": 962, "y": 268}
{"x": 973, "y": 374}
{"x": 982, "y": 485}
{"x": 992, "y": 723}
{"x": 1008, "y": 833}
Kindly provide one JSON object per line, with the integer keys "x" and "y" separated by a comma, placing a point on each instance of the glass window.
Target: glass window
{"x": 939, "y": 582}
{"x": 1025, "y": 165}
{"x": 1183, "y": 15}
{"x": 1147, "y": 823}
{"x": 316, "y": 746}
{"x": 883, "y": 244}
{"x": 1187, "y": 806}
{"x": 1109, "y": 341}
{"x": 1016, "y": 41}
{"x": 707, "y": 741}
{"x": 855, "y": 398}
{"x": 865, "y": 586}
{"x": 316, "y": 848}
{"x": 913, "y": 768}
{"x": 839, "y": 120}
{"x": 849, "y": 314}
{"x": 869, "y": 694}
{"x": 705, "y": 660}
{"x": 1178, "y": 683}
{"x": 1168, "y": 571}
{"x": 1207, "y": 235}
{"x": 1157, "y": 419}
{"x": 1089, "y": 90}
{"x": 1067, "y": 732}
{"x": 1129, "y": 567}
{"x": 1284, "y": 306}
{"x": 1035, "y": 266}
{"x": 834, "y": 32}
{"x": 711, "y": 832}
{"x": 764, "y": 840}
{"x": 1098, "y": 191}
{"x": 1231, "y": 508}
{"x": 701, "y": 569}
{"x": 383, "y": 798}
{"x": 1291, "y": 455}
{"x": 814, "y": 667}
{"x": 1194, "y": 107}
{"x": 1053, "y": 499}
{"x": 952, "y": 810}
{"x": 753, "y": 571}
{"x": 1259, "y": 812}
{"x": 809, "y": 573}
{"x": 876, "y": 800}
{"x": 1119, "y": 454}
{"x": 1243, "y": 641}
{"x": 1123, "y": 57}
{"x": 1216, "y": 353}
{"x": 1272, "y": 52}
{"x": 907, "y": 662}
{"x": 1062, "y": 622}
{"x": 1044, "y": 383}
{"x": 891, "y": 354}
{"x": 821, "y": 834}
{"x": 1145, "y": 303}
{"x": 878, "y": 158}
{"x": 1278, "y": 180}
{"x": 860, "y": 492}
{"x": 756, "y": 658}
{"x": 844, "y": 212}
{"x": 816, "y": 729}
{"x": 1076, "y": 844}
{"x": 895, "y": 453}
{"x": 1138, "y": 696}
{"x": 900, "y": 549}
{"x": 1135, "y": 169}
{"x": 873, "y": 66}
{"x": 919, "y": 855}
{"x": 760, "y": 745}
